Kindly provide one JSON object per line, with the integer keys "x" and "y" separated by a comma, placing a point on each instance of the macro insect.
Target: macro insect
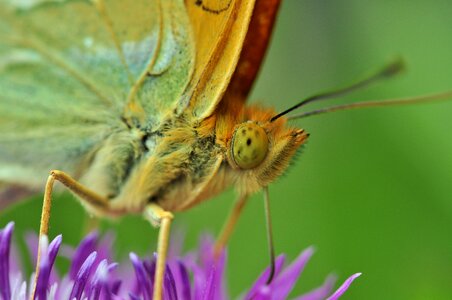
{"x": 138, "y": 107}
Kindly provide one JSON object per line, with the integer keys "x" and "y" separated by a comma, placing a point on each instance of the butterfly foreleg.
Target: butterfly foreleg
{"x": 229, "y": 225}
{"x": 85, "y": 194}
{"x": 159, "y": 217}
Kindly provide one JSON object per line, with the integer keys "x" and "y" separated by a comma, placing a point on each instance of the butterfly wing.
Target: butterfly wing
{"x": 70, "y": 69}
{"x": 219, "y": 29}
{"x": 253, "y": 52}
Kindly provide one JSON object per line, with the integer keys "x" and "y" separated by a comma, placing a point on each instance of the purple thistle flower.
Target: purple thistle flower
{"x": 196, "y": 276}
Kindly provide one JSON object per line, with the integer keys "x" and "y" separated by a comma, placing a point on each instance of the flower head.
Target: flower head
{"x": 93, "y": 275}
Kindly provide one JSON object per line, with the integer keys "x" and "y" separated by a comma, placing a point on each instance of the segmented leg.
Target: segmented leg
{"x": 229, "y": 226}
{"x": 160, "y": 217}
{"x": 85, "y": 194}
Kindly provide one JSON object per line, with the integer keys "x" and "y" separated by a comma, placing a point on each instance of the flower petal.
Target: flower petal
{"x": 143, "y": 284}
{"x": 283, "y": 284}
{"x": 185, "y": 290}
{"x": 199, "y": 281}
{"x": 321, "y": 292}
{"x": 99, "y": 277}
{"x": 214, "y": 270}
{"x": 343, "y": 288}
{"x": 82, "y": 276}
{"x": 209, "y": 290}
{"x": 5, "y": 244}
{"x": 262, "y": 279}
{"x": 20, "y": 292}
{"x": 169, "y": 285}
{"x": 48, "y": 256}
{"x": 85, "y": 248}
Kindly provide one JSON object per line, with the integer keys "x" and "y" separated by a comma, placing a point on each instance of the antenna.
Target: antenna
{"x": 388, "y": 71}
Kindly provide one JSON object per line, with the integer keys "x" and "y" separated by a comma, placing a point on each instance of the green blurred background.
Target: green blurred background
{"x": 372, "y": 190}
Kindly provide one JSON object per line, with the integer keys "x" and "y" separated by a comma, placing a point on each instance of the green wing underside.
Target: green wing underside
{"x": 67, "y": 71}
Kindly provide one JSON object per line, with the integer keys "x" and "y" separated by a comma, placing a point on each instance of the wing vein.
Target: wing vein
{"x": 215, "y": 54}
{"x": 100, "y": 5}
{"x": 146, "y": 71}
{"x": 21, "y": 40}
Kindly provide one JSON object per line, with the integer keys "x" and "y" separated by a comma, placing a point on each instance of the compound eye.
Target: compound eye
{"x": 249, "y": 145}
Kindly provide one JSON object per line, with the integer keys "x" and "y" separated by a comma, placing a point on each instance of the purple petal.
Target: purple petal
{"x": 86, "y": 247}
{"x": 209, "y": 290}
{"x": 133, "y": 297}
{"x": 206, "y": 252}
{"x": 100, "y": 276}
{"x": 82, "y": 276}
{"x": 144, "y": 286}
{"x": 214, "y": 273}
{"x": 107, "y": 291}
{"x": 199, "y": 281}
{"x": 220, "y": 264}
{"x": 115, "y": 286}
{"x": 48, "y": 256}
{"x": 19, "y": 289}
{"x": 343, "y": 288}
{"x": 5, "y": 243}
{"x": 321, "y": 292}
{"x": 262, "y": 279}
{"x": 170, "y": 285}
{"x": 283, "y": 284}
{"x": 264, "y": 293}
{"x": 112, "y": 267}
{"x": 149, "y": 266}
{"x": 184, "y": 281}
{"x": 41, "y": 284}
{"x": 54, "y": 247}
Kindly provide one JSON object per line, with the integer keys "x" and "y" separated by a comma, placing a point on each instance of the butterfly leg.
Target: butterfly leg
{"x": 85, "y": 195}
{"x": 160, "y": 217}
{"x": 229, "y": 226}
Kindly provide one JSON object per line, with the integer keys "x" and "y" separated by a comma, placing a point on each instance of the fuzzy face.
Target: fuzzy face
{"x": 272, "y": 152}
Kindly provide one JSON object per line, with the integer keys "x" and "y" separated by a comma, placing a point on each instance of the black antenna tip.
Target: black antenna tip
{"x": 271, "y": 275}
{"x": 394, "y": 68}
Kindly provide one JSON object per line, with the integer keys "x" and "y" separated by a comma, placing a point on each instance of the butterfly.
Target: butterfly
{"x": 120, "y": 101}
{"x": 138, "y": 107}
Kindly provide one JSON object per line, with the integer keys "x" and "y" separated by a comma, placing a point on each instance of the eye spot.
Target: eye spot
{"x": 244, "y": 131}
{"x": 248, "y": 142}
{"x": 256, "y": 133}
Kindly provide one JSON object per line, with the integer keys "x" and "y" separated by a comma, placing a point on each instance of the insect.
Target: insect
{"x": 136, "y": 114}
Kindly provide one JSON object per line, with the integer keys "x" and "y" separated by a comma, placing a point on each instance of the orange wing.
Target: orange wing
{"x": 254, "y": 48}
{"x": 219, "y": 29}
{"x": 231, "y": 38}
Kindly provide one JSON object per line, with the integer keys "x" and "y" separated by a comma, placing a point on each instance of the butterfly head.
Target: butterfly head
{"x": 260, "y": 149}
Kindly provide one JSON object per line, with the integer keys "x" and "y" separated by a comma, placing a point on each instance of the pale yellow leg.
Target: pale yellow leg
{"x": 160, "y": 217}
{"x": 229, "y": 226}
{"x": 80, "y": 190}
